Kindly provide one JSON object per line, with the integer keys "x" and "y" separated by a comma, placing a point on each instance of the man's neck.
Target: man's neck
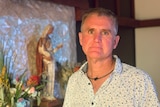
{"x": 100, "y": 67}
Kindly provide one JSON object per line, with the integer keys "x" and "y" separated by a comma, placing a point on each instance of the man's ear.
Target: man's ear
{"x": 80, "y": 37}
{"x": 116, "y": 41}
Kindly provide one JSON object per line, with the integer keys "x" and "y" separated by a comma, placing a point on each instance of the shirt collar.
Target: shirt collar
{"x": 117, "y": 68}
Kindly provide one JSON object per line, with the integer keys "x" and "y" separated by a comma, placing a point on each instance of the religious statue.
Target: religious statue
{"x": 45, "y": 62}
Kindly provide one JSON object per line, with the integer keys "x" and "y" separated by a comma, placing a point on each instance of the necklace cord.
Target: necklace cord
{"x": 97, "y": 78}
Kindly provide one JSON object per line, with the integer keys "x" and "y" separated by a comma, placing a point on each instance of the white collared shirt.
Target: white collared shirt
{"x": 127, "y": 86}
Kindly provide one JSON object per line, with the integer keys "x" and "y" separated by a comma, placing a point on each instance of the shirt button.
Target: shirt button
{"x": 92, "y": 103}
{"x": 89, "y": 83}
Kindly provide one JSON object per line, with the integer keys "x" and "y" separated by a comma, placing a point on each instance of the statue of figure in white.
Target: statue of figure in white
{"x": 45, "y": 62}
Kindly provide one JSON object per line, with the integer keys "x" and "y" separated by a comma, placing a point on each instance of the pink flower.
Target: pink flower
{"x": 31, "y": 90}
{"x": 20, "y": 99}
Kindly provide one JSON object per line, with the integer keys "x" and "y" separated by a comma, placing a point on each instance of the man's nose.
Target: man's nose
{"x": 97, "y": 37}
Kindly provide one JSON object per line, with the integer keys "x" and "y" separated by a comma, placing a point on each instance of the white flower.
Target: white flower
{"x": 12, "y": 90}
{"x": 34, "y": 94}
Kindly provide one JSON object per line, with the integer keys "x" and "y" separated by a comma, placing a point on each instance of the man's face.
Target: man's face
{"x": 97, "y": 38}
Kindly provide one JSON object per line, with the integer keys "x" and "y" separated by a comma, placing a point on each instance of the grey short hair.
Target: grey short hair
{"x": 102, "y": 12}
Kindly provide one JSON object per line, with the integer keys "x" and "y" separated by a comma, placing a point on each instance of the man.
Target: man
{"x": 104, "y": 81}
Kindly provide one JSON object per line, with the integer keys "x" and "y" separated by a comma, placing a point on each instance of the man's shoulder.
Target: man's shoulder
{"x": 133, "y": 71}
{"x": 77, "y": 73}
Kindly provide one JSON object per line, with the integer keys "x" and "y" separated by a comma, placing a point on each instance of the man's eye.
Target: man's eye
{"x": 105, "y": 33}
{"x": 91, "y": 31}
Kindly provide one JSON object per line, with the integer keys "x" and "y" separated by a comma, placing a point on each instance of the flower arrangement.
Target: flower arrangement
{"x": 18, "y": 92}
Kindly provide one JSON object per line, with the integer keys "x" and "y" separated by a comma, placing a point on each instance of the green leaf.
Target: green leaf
{"x": 1, "y": 60}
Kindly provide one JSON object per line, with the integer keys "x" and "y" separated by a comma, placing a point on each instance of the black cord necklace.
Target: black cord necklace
{"x": 97, "y": 78}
